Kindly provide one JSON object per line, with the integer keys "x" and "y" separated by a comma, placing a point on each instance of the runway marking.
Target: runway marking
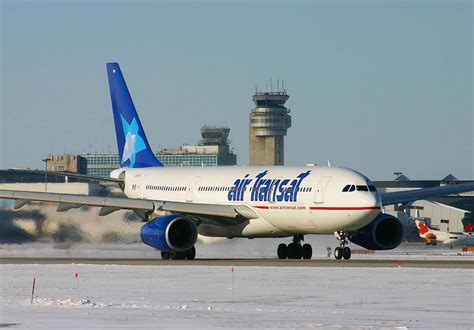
{"x": 369, "y": 263}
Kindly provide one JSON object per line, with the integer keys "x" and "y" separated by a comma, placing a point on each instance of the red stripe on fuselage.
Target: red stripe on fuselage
{"x": 332, "y": 208}
{"x": 345, "y": 208}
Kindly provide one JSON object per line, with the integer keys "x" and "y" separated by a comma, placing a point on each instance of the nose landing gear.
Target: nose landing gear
{"x": 295, "y": 250}
{"x": 342, "y": 251}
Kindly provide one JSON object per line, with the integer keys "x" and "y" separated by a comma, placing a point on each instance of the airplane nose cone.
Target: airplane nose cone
{"x": 371, "y": 200}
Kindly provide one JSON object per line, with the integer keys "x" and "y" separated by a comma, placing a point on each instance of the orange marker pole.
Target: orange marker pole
{"x": 232, "y": 269}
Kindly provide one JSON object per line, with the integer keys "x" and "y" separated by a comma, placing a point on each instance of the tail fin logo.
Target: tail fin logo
{"x": 133, "y": 141}
{"x": 422, "y": 227}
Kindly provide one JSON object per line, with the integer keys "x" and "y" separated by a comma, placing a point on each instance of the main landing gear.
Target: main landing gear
{"x": 188, "y": 254}
{"x": 295, "y": 250}
{"x": 342, "y": 251}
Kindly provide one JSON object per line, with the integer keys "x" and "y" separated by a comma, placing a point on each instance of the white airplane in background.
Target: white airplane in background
{"x": 447, "y": 238}
{"x": 251, "y": 202}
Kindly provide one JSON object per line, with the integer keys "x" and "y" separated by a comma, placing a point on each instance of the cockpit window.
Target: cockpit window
{"x": 351, "y": 188}
{"x": 362, "y": 188}
{"x": 372, "y": 187}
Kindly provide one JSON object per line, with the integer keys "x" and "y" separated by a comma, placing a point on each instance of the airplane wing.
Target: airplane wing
{"x": 400, "y": 197}
{"x": 68, "y": 174}
{"x": 234, "y": 213}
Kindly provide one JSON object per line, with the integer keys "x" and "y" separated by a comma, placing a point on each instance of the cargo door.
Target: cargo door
{"x": 320, "y": 189}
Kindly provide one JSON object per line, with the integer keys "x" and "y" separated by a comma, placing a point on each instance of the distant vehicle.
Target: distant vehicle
{"x": 432, "y": 236}
{"x": 231, "y": 201}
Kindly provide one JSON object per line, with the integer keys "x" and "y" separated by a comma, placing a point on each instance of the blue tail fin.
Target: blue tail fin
{"x": 133, "y": 147}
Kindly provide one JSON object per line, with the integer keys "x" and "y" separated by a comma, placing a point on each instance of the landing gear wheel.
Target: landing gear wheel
{"x": 293, "y": 251}
{"x": 282, "y": 251}
{"x": 342, "y": 251}
{"x": 307, "y": 251}
{"x": 165, "y": 255}
{"x": 191, "y": 253}
{"x": 346, "y": 253}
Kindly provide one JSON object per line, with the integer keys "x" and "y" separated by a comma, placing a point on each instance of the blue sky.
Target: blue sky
{"x": 375, "y": 86}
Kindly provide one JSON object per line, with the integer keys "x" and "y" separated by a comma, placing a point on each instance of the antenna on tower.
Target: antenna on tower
{"x": 278, "y": 85}
{"x": 271, "y": 85}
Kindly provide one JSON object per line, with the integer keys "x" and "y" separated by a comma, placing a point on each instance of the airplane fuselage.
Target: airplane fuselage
{"x": 460, "y": 239}
{"x": 288, "y": 200}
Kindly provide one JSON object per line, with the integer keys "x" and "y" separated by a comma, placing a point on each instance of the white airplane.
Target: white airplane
{"x": 431, "y": 236}
{"x": 230, "y": 202}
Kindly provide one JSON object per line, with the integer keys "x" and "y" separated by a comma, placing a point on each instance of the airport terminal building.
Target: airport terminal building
{"x": 213, "y": 150}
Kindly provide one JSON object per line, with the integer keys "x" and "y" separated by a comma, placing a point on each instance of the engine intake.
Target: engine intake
{"x": 384, "y": 233}
{"x": 170, "y": 233}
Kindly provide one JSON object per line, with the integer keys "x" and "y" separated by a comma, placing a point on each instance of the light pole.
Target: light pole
{"x": 45, "y": 174}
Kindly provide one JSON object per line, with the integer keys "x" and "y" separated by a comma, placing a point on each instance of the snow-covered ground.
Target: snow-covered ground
{"x": 112, "y": 296}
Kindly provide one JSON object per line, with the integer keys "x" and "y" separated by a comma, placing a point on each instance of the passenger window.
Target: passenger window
{"x": 362, "y": 188}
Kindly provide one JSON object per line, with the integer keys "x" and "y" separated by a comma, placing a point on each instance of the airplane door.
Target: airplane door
{"x": 191, "y": 187}
{"x": 320, "y": 189}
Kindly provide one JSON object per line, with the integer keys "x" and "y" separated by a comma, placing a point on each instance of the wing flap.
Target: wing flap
{"x": 20, "y": 203}
{"x": 63, "y": 207}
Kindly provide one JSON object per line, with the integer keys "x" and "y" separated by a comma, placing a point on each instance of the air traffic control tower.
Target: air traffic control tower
{"x": 268, "y": 124}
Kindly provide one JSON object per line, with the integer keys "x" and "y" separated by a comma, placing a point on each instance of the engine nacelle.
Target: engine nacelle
{"x": 384, "y": 233}
{"x": 170, "y": 233}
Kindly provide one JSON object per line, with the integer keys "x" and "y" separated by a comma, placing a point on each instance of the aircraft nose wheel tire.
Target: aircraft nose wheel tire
{"x": 165, "y": 255}
{"x": 346, "y": 253}
{"x": 338, "y": 253}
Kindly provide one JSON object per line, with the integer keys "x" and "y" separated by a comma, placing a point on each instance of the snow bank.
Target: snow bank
{"x": 258, "y": 297}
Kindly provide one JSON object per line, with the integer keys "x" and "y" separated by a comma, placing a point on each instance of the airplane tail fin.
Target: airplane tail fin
{"x": 133, "y": 147}
{"x": 423, "y": 228}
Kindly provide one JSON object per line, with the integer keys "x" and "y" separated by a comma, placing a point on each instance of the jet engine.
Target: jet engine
{"x": 170, "y": 233}
{"x": 384, "y": 233}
